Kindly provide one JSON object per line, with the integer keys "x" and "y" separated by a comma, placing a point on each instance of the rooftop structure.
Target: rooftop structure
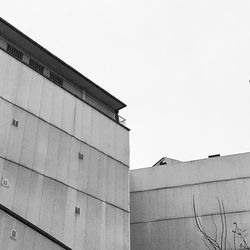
{"x": 44, "y": 62}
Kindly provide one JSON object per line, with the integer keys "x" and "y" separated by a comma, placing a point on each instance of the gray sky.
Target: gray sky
{"x": 182, "y": 67}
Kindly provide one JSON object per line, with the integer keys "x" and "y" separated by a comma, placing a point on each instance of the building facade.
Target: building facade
{"x": 162, "y": 212}
{"x": 64, "y": 153}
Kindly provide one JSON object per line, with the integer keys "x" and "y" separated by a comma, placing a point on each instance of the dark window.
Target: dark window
{"x": 14, "y": 122}
{"x": 36, "y": 66}
{"x": 15, "y": 52}
{"x": 56, "y": 79}
{"x": 80, "y": 156}
{"x": 77, "y": 210}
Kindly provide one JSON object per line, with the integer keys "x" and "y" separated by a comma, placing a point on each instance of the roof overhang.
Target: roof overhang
{"x": 60, "y": 67}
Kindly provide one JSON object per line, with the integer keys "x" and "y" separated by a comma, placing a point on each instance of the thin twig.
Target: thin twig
{"x": 215, "y": 238}
{"x": 212, "y": 242}
{"x": 208, "y": 238}
{"x": 204, "y": 240}
{"x": 235, "y": 236}
{"x": 222, "y": 224}
{"x": 225, "y": 223}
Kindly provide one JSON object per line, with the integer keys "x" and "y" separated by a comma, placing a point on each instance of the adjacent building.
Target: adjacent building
{"x": 64, "y": 154}
{"x": 162, "y": 212}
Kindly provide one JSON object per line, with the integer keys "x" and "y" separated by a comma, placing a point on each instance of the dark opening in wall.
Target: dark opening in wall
{"x": 36, "y": 66}
{"x": 212, "y": 156}
{"x": 56, "y": 79}
{"x": 15, "y": 52}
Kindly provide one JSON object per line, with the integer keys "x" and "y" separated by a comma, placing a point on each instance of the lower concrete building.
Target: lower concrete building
{"x": 162, "y": 211}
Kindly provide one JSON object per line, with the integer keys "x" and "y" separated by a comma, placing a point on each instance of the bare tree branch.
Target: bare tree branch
{"x": 222, "y": 243}
{"x": 212, "y": 242}
{"x": 235, "y": 236}
{"x": 204, "y": 240}
{"x": 239, "y": 234}
{"x": 222, "y": 225}
{"x": 215, "y": 238}
{"x": 225, "y": 223}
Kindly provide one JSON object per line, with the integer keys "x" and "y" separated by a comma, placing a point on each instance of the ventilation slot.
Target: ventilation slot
{"x": 77, "y": 210}
{"x": 15, "y": 52}
{"x": 14, "y": 123}
{"x": 13, "y": 234}
{"x": 80, "y": 156}
{"x": 56, "y": 79}
{"x": 4, "y": 182}
{"x": 36, "y": 66}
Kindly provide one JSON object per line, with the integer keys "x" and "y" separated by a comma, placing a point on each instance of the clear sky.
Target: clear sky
{"x": 182, "y": 67}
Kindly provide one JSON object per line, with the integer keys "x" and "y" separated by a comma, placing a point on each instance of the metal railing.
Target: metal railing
{"x": 121, "y": 120}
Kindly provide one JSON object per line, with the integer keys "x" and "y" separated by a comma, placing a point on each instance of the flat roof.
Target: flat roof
{"x": 54, "y": 63}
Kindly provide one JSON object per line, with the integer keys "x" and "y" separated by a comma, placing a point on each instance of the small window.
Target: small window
{"x": 13, "y": 234}
{"x": 14, "y": 123}
{"x": 80, "y": 155}
{"x": 4, "y": 182}
{"x": 56, "y": 79}
{"x": 15, "y": 52}
{"x": 77, "y": 210}
{"x": 36, "y": 66}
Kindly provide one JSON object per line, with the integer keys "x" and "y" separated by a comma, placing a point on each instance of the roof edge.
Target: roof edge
{"x": 121, "y": 104}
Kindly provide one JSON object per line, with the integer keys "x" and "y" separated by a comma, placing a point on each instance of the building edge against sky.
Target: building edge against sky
{"x": 162, "y": 215}
{"x": 64, "y": 154}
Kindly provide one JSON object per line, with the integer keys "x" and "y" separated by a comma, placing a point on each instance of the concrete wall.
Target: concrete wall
{"x": 27, "y": 238}
{"x": 27, "y": 89}
{"x": 161, "y": 201}
{"x": 40, "y": 159}
{"x": 50, "y": 205}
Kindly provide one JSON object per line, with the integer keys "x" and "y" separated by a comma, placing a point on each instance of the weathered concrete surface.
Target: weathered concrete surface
{"x": 161, "y": 201}
{"x": 40, "y": 159}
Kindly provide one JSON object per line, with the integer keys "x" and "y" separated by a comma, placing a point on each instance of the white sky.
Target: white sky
{"x": 182, "y": 67}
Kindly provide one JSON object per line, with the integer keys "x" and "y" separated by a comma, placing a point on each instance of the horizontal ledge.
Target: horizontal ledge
{"x": 90, "y": 195}
{"x": 40, "y": 118}
{"x": 190, "y": 184}
{"x": 34, "y": 227}
{"x": 189, "y": 217}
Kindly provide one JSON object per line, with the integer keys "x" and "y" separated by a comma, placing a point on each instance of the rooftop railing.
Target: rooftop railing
{"x": 121, "y": 120}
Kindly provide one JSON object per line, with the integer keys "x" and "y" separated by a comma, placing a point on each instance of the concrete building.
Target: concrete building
{"x": 64, "y": 154}
{"x": 162, "y": 215}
